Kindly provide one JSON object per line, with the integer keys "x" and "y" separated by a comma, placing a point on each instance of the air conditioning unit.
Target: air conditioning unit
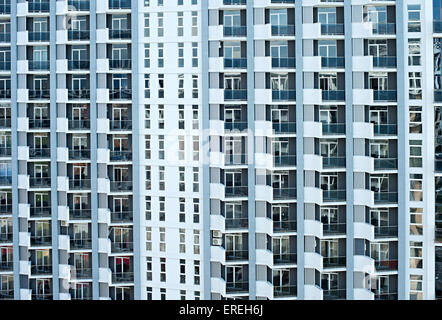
{"x": 217, "y": 234}
{"x": 217, "y": 242}
{"x": 64, "y": 223}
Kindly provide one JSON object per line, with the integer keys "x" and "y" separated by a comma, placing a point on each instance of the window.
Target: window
{"x": 147, "y": 86}
{"x": 149, "y": 293}
{"x": 160, "y": 55}
{"x": 181, "y": 150}
{"x": 181, "y": 86}
{"x": 196, "y": 144}
{"x": 416, "y": 261}
{"x": 414, "y": 52}
{"x": 182, "y": 215}
{"x": 160, "y": 24}
{"x": 148, "y": 178}
{"x": 196, "y": 241}
{"x": 194, "y": 23}
{"x": 195, "y": 86}
{"x": 161, "y": 147}
{"x": 147, "y": 151}
{"x": 195, "y": 117}
{"x": 196, "y": 210}
{"x": 196, "y": 184}
{"x": 146, "y": 25}
{"x": 149, "y": 268}
{"x": 147, "y": 55}
{"x": 181, "y": 180}
{"x": 162, "y": 211}
{"x": 162, "y": 239}
{"x": 163, "y": 293}
{"x": 182, "y": 271}
{"x": 180, "y": 55}
{"x": 416, "y": 222}
{"x": 196, "y": 265}
{"x": 161, "y": 85}
{"x": 415, "y": 85}
{"x": 163, "y": 269}
{"x": 182, "y": 240}
{"x": 416, "y": 193}
{"x": 183, "y": 294}
{"x": 148, "y": 208}
{"x": 181, "y": 117}
{"x": 416, "y": 153}
{"x": 147, "y": 116}
{"x": 416, "y": 287}
{"x": 194, "y": 54}
{"x": 180, "y": 30}
{"x": 149, "y": 238}
{"x": 161, "y": 116}
{"x": 161, "y": 178}
{"x": 414, "y": 17}
{"x": 415, "y": 120}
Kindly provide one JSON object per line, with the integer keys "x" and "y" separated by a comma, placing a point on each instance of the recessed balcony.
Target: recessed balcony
{"x": 385, "y": 129}
{"x": 385, "y": 95}
{"x": 120, "y": 247}
{"x": 333, "y": 62}
{"x": 385, "y": 163}
{"x": 385, "y": 197}
{"x": 120, "y": 64}
{"x": 284, "y": 127}
{"x": 235, "y": 31}
{"x": 333, "y": 95}
{"x": 41, "y": 94}
{"x": 333, "y": 162}
{"x": 5, "y": 237}
{"x": 120, "y": 186}
{"x": 38, "y": 6}
{"x": 284, "y": 95}
{"x": 122, "y": 277}
{"x": 284, "y": 193}
{"x": 284, "y": 226}
{"x": 80, "y": 214}
{"x": 78, "y": 35}
{"x": 236, "y": 223}
{"x": 333, "y": 128}
{"x": 235, "y": 63}
{"x": 39, "y": 153}
{"x": 122, "y": 216}
{"x": 41, "y": 269}
{"x": 384, "y": 62}
{"x": 334, "y": 195}
{"x": 119, "y": 4}
{"x": 119, "y": 34}
{"x": 237, "y": 255}
{"x": 386, "y": 231}
{"x": 78, "y": 5}
{"x": 40, "y": 182}
{"x": 384, "y": 28}
{"x": 284, "y": 258}
{"x": 237, "y": 287}
{"x": 238, "y": 191}
{"x": 40, "y": 212}
{"x": 283, "y": 30}
{"x": 332, "y": 29}
{"x": 81, "y": 243}
{"x": 39, "y": 241}
{"x": 334, "y": 262}
{"x": 333, "y": 228}
{"x": 38, "y": 36}
{"x": 74, "y": 65}
{"x": 238, "y": 94}
{"x": 79, "y": 184}
{"x": 121, "y": 155}
{"x": 285, "y": 291}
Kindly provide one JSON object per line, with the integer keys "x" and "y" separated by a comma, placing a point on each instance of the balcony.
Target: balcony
{"x": 118, "y": 277}
{"x": 284, "y": 127}
{"x": 120, "y": 186}
{"x": 237, "y": 255}
{"x": 386, "y": 232}
{"x": 41, "y": 269}
{"x": 5, "y": 37}
{"x": 237, "y": 63}
{"x": 289, "y": 62}
{"x": 118, "y": 34}
{"x": 438, "y": 234}
{"x": 6, "y": 265}
{"x": 120, "y": 64}
{"x": 74, "y": 65}
{"x": 5, "y": 209}
{"x": 38, "y": 241}
{"x": 334, "y": 262}
{"x": 333, "y": 62}
{"x": 38, "y": 6}
{"x": 122, "y": 247}
{"x": 79, "y": 184}
{"x": 79, "y": 124}
{"x": 6, "y": 294}
{"x": 235, "y": 159}
{"x": 385, "y": 164}
{"x": 333, "y": 128}
{"x": 78, "y": 5}
{"x": 79, "y": 244}
{"x": 80, "y": 214}
{"x": 284, "y": 258}
{"x": 5, "y": 237}
{"x": 285, "y": 291}
{"x": 5, "y": 9}
{"x": 238, "y": 94}
{"x": 83, "y": 273}
{"x": 283, "y": 95}
{"x": 384, "y": 62}
{"x": 333, "y": 95}
{"x": 44, "y": 182}
{"x": 121, "y": 155}
{"x": 284, "y": 226}
{"x": 385, "y": 265}
{"x": 385, "y": 296}
{"x": 235, "y": 31}
{"x": 333, "y": 162}
{"x": 121, "y": 125}
{"x": 284, "y": 160}
{"x": 119, "y": 4}
{"x": 120, "y": 94}
{"x": 284, "y": 193}
{"x": 39, "y": 123}
{"x": 6, "y": 181}
{"x": 237, "y": 287}
{"x": 283, "y": 30}
{"x": 334, "y": 195}
{"x": 5, "y": 65}
{"x": 79, "y": 154}
{"x": 385, "y": 95}
{"x": 42, "y": 296}
{"x": 35, "y": 65}
{"x": 5, "y": 151}
{"x": 334, "y": 294}
{"x": 39, "y": 94}
{"x": 79, "y": 94}
{"x": 384, "y": 28}
{"x": 332, "y": 29}
{"x": 5, "y": 123}
{"x": 78, "y": 35}
{"x": 238, "y": 191}
{"x": 122, "y": 217}
{"x": 235, "y": 126}
{"x": 237, "y": 223}
{"x": 39, "y": 153}
{"x": 437, "y": 26}
{"x": 385, "y": 129}
{"x": 385, "y": 197}
{"x": 40, "y": 36}
{"x": 334, "y": 228}
{"x": 40, "y": 212}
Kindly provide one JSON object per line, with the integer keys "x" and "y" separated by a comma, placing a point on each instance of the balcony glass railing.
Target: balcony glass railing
{"x": 5, "y": 180}
{"x": 237, "y": 223}
{"x": 235, "y": 126}
{"x": 237, "y": 287}
{"x": 119, "y": 4}
{"x": 78, "y": 5}
{"x": 121, "y": 125}
{"x": 39, "y": 123}
{"x": 40, "y": 36}
{"x": 121, "y": 186}
{"x": 384, "y": 28}
{"x": 78, "y": 64}
{"x": 284, "y": 193}
{"x": 240, "y": 63}
{"x": 121, "y": 155}
{"x": 5, "y": 209}
{"x": 334, "y": 294}
{"x": 289, "y": 62}
{"x": 237, "y": 255}
{"x": 284, "y": 226}
{"x": 283, "y": 30}
{"x": 384, "y": 62}
{"x": 79, "y": 154}
{"x": 40, "y": 211}
{"x": 83, "y": 273}
{"x": 333, "y": 62}
{"x": 385, "y": 231}
{"x": 79, "y": 124}
{"x": 284, "y": 160}
{"x": 5, "y": 123}
{"x": 118, "y": 277}
{"x": 39, "y": 94}
{"x": 5, "y": 93}
{"x": 78, "y": 184}
{"x": 80, "y": 214}
{"x": 122, "y": 246}
{"x": 385, "y": 197}
{"x": 5, "y": 65}
{"x": 235, "y": 159}
{"x": 333, "y": 128}
{"x": 120, "y": 64}
{"x": 234, "y": 2}
{"x": 285, "y": 291}
{"x": 235, "y": 31}
{"x": 83, "y": 243}
{"x": 121, "y": 216}
{"x": 284, "y": 258}
{"x": 5, "y": 8}
{"x": 386, "y": 296}
{"x": 385, "y": 95}
{"x": 5, "y": 237}
{"x": 120, "y": 94}
{"x": 77, "y": 35}
{"x": 385, "y": 164}
{"x": 333, "y": 162}
{"x": 5, "y": 151}
{"x": 5, "y": 36}
{"x": 334, "y": 228}
{"x": 334, "y": 195}
{"x": 6, "y": 265}
{"x": 333, "y": 95}
{"x": 37, "y": 241}
{"x": 120, "y": 34}
{"x": 334, "y": 262}
{"x": 38, "y": 6}
{"x": 40, "y": 182}
{"x": 78, "y": 94}
{"x": 283, "y": 95}
{"x": 236, "y": 191}
{"x": 238, "y": 94}
{"x": 385, "y": 264}
{"x": 385, "y": 129}
{"x": 41, "y": 269}
{"x": 284, "y": 127}
{"x": 332, "y": 29}
{"x": 38, "y": 65}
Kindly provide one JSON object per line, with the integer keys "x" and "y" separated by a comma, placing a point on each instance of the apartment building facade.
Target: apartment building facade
{"x": 220, "y": 149}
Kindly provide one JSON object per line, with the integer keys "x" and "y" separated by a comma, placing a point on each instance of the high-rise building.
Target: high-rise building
{"x": 220, "y": 149}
